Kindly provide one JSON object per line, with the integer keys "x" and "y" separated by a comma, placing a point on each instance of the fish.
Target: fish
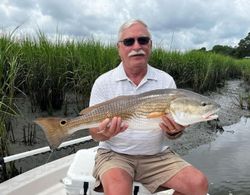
{"x": 142, "y": 111}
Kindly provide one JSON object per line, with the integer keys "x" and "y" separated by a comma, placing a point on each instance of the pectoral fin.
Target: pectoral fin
{"x": 155, "y": 114}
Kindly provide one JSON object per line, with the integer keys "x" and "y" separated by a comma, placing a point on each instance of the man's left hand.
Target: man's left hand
{"x": 172, "y": 129}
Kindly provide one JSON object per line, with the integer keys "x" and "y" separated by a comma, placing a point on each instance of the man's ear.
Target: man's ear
{"x": 151, "y": 44}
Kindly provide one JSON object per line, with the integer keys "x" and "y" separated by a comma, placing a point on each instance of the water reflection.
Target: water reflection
{"x": 226, "y": 161}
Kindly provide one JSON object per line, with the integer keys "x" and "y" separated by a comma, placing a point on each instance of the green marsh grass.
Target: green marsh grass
{"x": 88, "y": 59}
{"x": 9, "y": 72}
{"x": 55, "y": 67}
{"x": 197, "y": 70}
{"x": 49, "y": 69}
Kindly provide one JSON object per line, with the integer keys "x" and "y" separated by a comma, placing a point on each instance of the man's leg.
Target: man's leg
{"x": 188, "y": 181}
{"x": 117, "y": 181}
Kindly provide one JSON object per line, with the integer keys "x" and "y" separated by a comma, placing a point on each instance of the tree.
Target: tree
{"x": 243, "y": 48}
{"x": 223, "y": 49}
{"x": 203, "y": 49}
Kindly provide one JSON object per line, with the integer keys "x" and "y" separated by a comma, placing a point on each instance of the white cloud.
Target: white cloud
{"x": 194, "y": 23}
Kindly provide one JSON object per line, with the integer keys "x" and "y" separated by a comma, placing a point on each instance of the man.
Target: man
{"x": 126, "y": 155}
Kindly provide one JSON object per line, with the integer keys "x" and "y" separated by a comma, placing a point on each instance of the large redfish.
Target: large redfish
{"x": 143, "y": 111}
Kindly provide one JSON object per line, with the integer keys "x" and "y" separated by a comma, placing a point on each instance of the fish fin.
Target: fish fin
{"x": 86, "y": 110}
{"x": 53, "y": 130}
{"x": 116, "y": 99}
{"x": 155, "y": 114}
{"x": 89, "y": 109}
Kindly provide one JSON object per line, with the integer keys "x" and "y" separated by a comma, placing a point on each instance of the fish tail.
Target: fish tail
{"x": 53, "y": 130}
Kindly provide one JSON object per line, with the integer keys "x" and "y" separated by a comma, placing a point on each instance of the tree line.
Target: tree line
{"x": 242, "y": 50}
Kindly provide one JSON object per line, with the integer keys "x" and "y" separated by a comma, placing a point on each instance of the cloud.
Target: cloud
{"x": 178, "y": 24}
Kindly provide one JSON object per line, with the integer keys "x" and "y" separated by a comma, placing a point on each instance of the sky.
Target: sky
{"x": 174, "y": 24}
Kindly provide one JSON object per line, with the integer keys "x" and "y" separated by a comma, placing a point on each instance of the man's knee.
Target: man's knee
{"x": 199, "y": 184}
{"x": 117, "y": 181}
{"x": 196, "y": 182}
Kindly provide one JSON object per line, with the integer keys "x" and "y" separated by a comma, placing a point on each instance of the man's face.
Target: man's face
{"x": 136, "y": 54}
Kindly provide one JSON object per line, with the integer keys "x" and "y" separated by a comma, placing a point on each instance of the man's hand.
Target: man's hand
{"x": 108, "y": 128}
{"x": 172, "y": 129}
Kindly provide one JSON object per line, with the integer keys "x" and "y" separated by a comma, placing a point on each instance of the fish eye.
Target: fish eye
{"x": 203, "y": 103}
{"x": 63, "y": 122}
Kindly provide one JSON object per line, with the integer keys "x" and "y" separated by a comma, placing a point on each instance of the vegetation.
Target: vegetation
{"x": 241, "y": 51}
{"x": 9, "y": 70}
{"x": 198, "y": 70}
{"x": 46, "y": 70}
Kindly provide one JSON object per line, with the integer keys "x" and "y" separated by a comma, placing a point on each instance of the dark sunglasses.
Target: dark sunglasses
{"x": 130, "y": 41}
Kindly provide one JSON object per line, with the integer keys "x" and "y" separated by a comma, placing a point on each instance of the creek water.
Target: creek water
{"x": 226, "y": 161}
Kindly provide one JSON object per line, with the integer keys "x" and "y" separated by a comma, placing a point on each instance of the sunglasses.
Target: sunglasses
{"x": 130, "y": 41}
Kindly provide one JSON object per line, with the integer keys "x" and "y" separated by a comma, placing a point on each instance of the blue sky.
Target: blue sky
{"x": 176, "y": 24}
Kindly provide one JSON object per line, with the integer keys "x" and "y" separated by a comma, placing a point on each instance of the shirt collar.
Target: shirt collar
{"x": 121, "y": 75}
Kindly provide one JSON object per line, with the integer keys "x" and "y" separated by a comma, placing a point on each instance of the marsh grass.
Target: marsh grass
{"x": 198, "y": 70}
{"x": 88, "y": 59}
{"x": 45, "y": 70}
{"x": 9, "y": 72}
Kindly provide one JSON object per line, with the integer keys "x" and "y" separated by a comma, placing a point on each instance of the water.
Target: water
{"x": 226, "y": 161}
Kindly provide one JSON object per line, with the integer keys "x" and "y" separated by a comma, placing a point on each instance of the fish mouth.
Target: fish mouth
{"x": 211, "y": 115}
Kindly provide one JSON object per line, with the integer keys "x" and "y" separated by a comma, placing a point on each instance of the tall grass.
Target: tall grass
{"x": 200, "y": 71}
{"x": 46, "y": 70}
{"x": 52, "y": 68}
{"x": 9, "y": 70}
{"x": 87, "y": 60}
{"x": 245, "y": 66}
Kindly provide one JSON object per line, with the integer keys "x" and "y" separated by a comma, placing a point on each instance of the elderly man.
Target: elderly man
{"x": 126, "y": 155}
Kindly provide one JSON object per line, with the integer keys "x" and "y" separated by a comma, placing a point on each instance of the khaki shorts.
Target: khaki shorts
{"x": 151, "y": 170}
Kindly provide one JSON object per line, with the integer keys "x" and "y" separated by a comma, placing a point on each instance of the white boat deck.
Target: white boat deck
{"x": 43, "y": 180}
{"x": 50, "y": 179}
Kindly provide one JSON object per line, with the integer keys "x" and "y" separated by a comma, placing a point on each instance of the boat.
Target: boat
{"x": 70, "y": 175}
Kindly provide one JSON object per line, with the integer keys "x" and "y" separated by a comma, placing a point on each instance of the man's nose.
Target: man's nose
{"x": 137, "y": 45}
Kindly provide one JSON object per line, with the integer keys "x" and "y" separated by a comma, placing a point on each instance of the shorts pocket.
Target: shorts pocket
{"x": 168, "y": 154}
{"x": 103, "y": 155}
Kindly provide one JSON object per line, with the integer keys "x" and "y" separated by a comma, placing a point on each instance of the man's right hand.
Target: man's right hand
{"x": 108, "y": 128}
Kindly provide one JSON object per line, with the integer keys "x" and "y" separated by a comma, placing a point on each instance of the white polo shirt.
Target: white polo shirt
{"x": 115, "y": 83}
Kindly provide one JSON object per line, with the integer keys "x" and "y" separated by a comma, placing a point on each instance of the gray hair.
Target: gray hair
{"x": 128, "y": 24}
